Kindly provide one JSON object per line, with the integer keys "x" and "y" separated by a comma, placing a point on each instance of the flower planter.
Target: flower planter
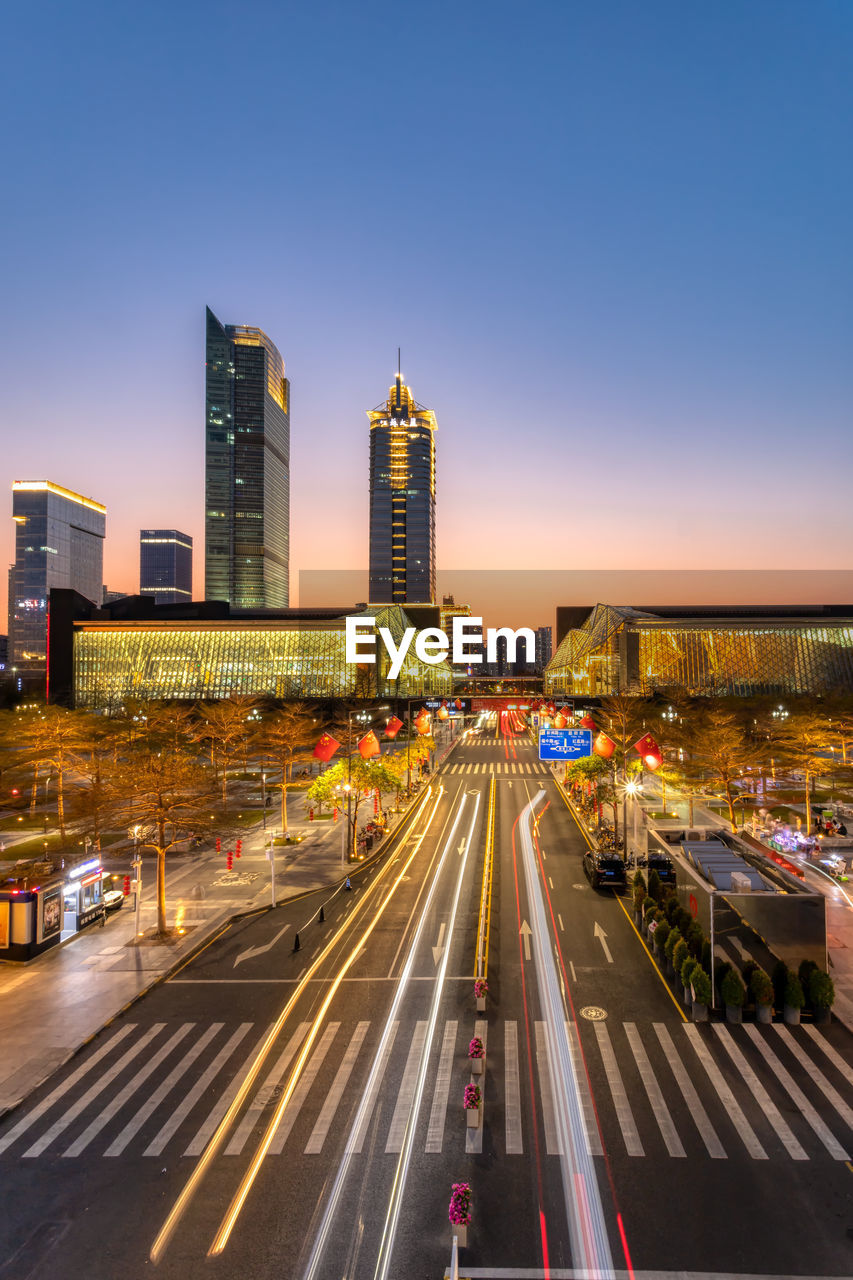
{"x": 791, "y": 1015}
{"x": 481, "y": 1004}
{"x": 473, "y": 1115}
{"x": 477, "y": 1065}
{"x": 461, "y": 1232}
{"x": 822, "y": 1016}
{"x": 734, "y": 1013}
{"x": 764, "y": 1013}
{"x": 700, "y": 1012}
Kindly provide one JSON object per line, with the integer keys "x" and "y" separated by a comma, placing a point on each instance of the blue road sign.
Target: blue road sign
{"x": 565, "y": 744}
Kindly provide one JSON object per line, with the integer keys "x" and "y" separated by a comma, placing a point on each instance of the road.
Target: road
{"x": 298, "y": 1113}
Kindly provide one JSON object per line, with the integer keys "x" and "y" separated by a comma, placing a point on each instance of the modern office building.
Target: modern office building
{"x": 402, "y": 499}
{"x": 165, "y": 565}
{"x": 543, "y": 648}
{"x": 719, "y": 651}
{"x": 247, "y": 469}
{"x": 59, "y": 542}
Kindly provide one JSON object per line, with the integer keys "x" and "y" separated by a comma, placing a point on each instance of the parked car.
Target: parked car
{"x": 663, "y": 865}
{"x": 113, "y": 899}
{"x": 604, "y": 870}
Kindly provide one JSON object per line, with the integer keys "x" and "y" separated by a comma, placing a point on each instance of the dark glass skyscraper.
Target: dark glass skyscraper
{"x": 165, "y": 565}
{"x": 247, "y": 469}
{"x": 402, "y": 500}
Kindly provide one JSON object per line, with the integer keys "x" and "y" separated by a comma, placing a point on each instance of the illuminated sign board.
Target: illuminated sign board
{"x": 565, "y": 744}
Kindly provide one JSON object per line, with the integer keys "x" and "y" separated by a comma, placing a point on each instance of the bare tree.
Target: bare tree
{"x": 225, "y": 726}
{"x": 286, "y": 735}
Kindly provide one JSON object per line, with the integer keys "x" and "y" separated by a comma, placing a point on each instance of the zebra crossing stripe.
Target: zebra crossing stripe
{"x": 811, "y": 1116}
{"x": 222, "y": 1104}
{"x": 553, "y": 1145}
{"x": 60, "y": 1091}
{"x": 68, "y": 1117}
{"x": 593, "y": 1137}
{"x": 136, "y": 1081}
{"x": 624, "y": 1114}
{"x": 762, "y": 1097}
{"x": 474, "y": 1137}
{"x": 406, "y": 1091}
{"x": 834, "y": 1057}
{"x": 300, "y": 1093}
{"x": 356, "y": 1139}
{"x": 333, "y": 1097}
{"x": 700, "y": 1116}
{"x": 180, "y": 1113}
{"x": 135, "y": 1124}
{"x": 661, "y": 1110}
{"x": 265, "y": 1093}
{"x": 512, "y": 1091}
{"x": 741, "y": 1124}
{"x": 441, "y": 1092}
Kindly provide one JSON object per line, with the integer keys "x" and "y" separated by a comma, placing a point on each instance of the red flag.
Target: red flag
{"x": 587, "y": 722}
{"x": 458, "y": 704}
{"x": 393, "y": 727}
{"x": 326, "y": 747}
{"x": 369, "y": 745}
{"x": 443, "y": 713}
{"x": 603, "y": 746}
{"x": 422, "y": 722}
{"x": 650, "y": 751}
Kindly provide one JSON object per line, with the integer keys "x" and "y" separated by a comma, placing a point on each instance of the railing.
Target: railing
{"x": 483, "y": 925}
{"x": 454, "y": 1260}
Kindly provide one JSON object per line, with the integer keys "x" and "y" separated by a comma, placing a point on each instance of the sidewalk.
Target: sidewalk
{"x": 52, "y": 1006}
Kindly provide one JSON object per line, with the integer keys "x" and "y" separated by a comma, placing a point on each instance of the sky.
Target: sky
{"x": 612, "y": 241}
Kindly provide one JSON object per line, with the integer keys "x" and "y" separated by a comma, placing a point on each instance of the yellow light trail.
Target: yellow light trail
{"x": 183, "y": 1201}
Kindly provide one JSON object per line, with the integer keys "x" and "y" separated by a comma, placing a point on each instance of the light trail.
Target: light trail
{"x": 330, "y": 1214}
{"x": 206, "y": 1159}
{"x": 584, "y": 1209}
{"x": 229, "y": 1221}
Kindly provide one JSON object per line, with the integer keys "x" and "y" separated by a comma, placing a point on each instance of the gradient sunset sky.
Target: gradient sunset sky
{"x": 613, "y": 241}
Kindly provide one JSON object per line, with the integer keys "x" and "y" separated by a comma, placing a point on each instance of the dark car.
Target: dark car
{"x": 663, "y": 865}
{"x": 604, "y": 870}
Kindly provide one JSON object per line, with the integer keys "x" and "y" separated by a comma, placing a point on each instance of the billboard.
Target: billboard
{"x": 50, "y": 917}
{"x": 565, "y": 744}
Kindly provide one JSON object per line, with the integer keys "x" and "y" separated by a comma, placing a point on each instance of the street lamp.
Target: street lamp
{"x": 264, "y": 798}
{"x": 137, "y": 867}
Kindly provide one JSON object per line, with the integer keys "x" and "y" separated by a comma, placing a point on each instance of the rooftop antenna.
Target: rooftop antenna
{"x": 398, "y": 363}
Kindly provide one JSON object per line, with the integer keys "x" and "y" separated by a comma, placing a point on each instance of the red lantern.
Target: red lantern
{"x": 375, "y": 802}
{"x": 559, "y": 720}
{"x": 310, "y": 815}
{"x": 335, "y": 814}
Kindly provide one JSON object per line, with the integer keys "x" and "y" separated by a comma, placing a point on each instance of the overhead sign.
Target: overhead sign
{"x": 565, "y": 744}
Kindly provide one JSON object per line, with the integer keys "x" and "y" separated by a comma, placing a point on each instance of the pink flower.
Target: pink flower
{"x": 475, "y": 1048}
{"x": 480, "y": 987}
{"x": 459, "y": 1211}
{"x": 471, "y": 1099}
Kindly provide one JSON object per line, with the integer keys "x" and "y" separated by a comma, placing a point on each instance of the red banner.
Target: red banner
{"x": 369, "y": 745}
{"x": 422, "y": 722}
{"x": 326, "y": 748}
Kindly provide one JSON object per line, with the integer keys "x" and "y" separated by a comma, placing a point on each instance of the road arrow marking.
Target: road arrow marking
{"x": 599, "y": 933}
{"x": 525, "y": 932}
{"x": 436, "y": 951}
{"x": 259, "y": 951}
{"x": 462, "y": 846}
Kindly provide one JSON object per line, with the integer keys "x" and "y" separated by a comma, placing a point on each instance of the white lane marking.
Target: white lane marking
{"x": 474, "y": 1137}
{"x": 79, "y": 1145}
{"x": 550, "y": 882}
{"x": 624, "y": 1114}
{"x": 356, "y": 1139}
{"x": 512, "y": 1091}
{"x": 738, "y": 1119}
{"x": 439, "y": 947}
{"x": 136, "y": 1122}
{"x": 815, "y": 1074}
{"x": 441, "y": 1092}
{"x": 265, "y": 1093}
{"x": 834, "y": 1057}
{"x": 698, "y": 1113}
{"x": 810, "y": 1115}
{"x": 406, "y": 1091}
{"x": 300, "y": 1093}
{"x": 762, "y": 1097}
{"x": 593, "y": 1137}
{"x": 572, "y": 968}
{"x": 333, "y": 1097}
{"x": 69, "y": 1116}
{"x": 661, "y": 1111}
{"x": 560, "y": 920}
{"x": 210, "y": 1074}
{"x": 59, "y": 1092}
{"x": 553, "y": 1146}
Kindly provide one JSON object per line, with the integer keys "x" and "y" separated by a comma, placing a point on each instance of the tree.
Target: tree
{"x": 804, "y": 742}
{"x": 723, "y": 749}
{"x": 363, "y": 777}
{"x": 55, "y": 738}
{"x": 284, "y": 736}
{"x": 225, "y": 726}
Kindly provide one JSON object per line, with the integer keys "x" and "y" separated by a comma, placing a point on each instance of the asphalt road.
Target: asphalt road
{"x": 708, "y": 1150}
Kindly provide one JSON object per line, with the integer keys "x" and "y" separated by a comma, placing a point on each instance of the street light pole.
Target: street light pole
{"x": 349, "y": 786}
{"x": 137, "y": 866}
{"x": 264, "y": 801}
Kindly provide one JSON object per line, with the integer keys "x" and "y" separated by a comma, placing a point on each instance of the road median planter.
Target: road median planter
{"x": 471, "y": 1103}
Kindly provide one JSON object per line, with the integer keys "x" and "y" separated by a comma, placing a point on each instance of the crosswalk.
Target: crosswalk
{"x": 502, "y": 768}
{"x": 644, "y": 1090}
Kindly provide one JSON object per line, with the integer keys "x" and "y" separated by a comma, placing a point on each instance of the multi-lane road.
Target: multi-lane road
{"x": 272, "y": 1112}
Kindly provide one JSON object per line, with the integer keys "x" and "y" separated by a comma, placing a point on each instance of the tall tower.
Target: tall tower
{"x": 402, "y": 499}
{"x": 247, "y": 469}
{"x": 166, "y": 565}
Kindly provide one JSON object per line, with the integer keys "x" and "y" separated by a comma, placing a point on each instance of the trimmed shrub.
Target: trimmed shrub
{"x": 684, "y": 920}
{"x": 672, "y": 942}
{"x": 747, "y": 971}
{"x": 654, "y": 886}
{"x": 794, "y": 992}
{"x": 687, "y": 970}
{"x": 761, "y": 986}
{"x": 721, "y": 968}
{"x": 779, "y": 978}
{"x": 671, "y": 907}
{"x": 639, "y": 894}
{"x": 804, "y": 973}
{"x": 638, "y": 881}
{"x": 705, "y": 955}
{"x": 701, "y": 984}
{"x": 680, "y": 952}
{"x": 695, "y": 936}
{"x": 732, "y": 989}
{"x": 821, "y": 989}
{"x": 661, "y": 934}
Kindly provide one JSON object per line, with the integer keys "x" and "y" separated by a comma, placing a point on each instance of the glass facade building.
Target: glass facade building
{"x": 274, "y": 657}
{"x": 402, "y": 500}
{"x": 165, "y": 565}
{"x": 720, "y": 652}
{"x": 59, "y": 542}
{"x": 247, "y": 469}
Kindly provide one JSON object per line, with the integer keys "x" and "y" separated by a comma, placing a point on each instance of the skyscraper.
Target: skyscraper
{"x": 247, "y": 469}
{"x": 59, "y": 542}
{"x": 402, "y": 500}
{"x": 165, "y": 565}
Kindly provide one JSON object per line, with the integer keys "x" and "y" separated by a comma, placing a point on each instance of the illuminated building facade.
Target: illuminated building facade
{"x": 165, "y": 565}
{"x": 722, "y": 652}
{"x": 402, "y": 500}
{"x": 59, "y": 542}
{"x": 247, "y": 469}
